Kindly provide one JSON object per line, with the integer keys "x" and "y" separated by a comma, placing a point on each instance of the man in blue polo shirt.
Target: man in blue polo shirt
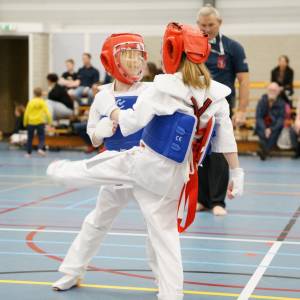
{"x": 226, "y": 63}
{"x": 88, "y": 77}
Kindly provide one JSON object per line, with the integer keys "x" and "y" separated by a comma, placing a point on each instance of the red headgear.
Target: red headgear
{"x": 111, "y": 50}
{"x": 179, "y": 38}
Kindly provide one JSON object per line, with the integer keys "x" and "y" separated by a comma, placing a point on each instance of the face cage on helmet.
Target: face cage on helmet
{"x": 133, "y": 46}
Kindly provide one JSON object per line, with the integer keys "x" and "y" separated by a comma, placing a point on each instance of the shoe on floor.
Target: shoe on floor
{"x": 219, "y": 211}
{"x": 66, "y": 282}
{"x": 261, "y": 155}
{"x": 41, "y": 152}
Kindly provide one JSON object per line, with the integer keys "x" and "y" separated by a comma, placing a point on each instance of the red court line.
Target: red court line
{"x": 8, "y": 204}
{"x": 37, "y": 201}
{"x": 30, "y": 243}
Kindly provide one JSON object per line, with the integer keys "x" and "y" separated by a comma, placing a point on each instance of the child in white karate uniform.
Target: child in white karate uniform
{"x": 159, "y": 169}
{"x": 123, "y": 56}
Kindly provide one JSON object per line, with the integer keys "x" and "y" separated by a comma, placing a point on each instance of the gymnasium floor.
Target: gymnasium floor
{"x": 253, "y": 253}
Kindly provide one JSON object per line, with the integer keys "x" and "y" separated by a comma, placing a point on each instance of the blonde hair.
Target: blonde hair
{"x": 129, "y": 58}
{"x": 195, "y": 75}
{"x": 208, "y": 10}
{"x": 130, "y": 53}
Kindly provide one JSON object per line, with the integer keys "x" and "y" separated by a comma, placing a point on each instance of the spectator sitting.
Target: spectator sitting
{"x": 150, "y": 71}
{"x": 59, "y": 102}
{"x": 35, "y": 117}
{"x": 18, "y": 137}
{"x": 270, "y": 113}
{"x": 295, "y": 133}
{"x": 69, "y": 79}
{"x": 88, "y": 77}
{"x": 108, "y": 78}
{"x": 284, "y": 76}
{"x": 79, "y": 128}
{"x": 19, "y": 114}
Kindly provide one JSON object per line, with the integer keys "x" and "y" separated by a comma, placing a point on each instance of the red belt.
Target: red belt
{"x": 189, "y": 193}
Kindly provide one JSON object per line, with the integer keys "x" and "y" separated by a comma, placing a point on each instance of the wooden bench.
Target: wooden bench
{"x": 246, "y": 140}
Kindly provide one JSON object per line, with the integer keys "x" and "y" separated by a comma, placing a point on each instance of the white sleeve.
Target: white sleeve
{"x": 224, "y": 140}
{"x": 132, "y": 120}
{"x": 94, "y": 118}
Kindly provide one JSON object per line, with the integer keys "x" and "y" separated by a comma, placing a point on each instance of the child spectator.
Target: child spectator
{"x": 270, "y": 112}
{"x": 35, "y": 117}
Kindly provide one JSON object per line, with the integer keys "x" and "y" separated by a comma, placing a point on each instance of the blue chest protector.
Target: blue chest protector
{"x": 118, "y": 142}
{"x": 170, "y": 136}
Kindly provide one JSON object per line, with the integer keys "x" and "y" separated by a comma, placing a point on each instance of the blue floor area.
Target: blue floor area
{"x": 39, "y": 219}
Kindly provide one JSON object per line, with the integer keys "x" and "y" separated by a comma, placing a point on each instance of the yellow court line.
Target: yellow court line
{"x": 143, "y": 289}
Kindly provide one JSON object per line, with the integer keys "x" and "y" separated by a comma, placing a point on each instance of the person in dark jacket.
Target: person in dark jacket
{"x": 270, "y": 113}
{"x": 59, "y": 102}
{"x": 295, "y": 133}
{"x": 89, "y": 78}
{"x": 283, "y": 74}
{"x": 226, "y": 63}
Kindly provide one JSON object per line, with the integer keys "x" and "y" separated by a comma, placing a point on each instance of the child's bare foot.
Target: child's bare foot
{"x": 219, "y": 211}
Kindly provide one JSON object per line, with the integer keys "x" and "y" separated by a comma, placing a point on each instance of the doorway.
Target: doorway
{"x": 13, "y": 78}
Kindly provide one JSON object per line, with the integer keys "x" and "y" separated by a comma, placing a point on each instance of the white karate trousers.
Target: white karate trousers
{"x": 160, "y": 214}
{"x": 111, "y": 200}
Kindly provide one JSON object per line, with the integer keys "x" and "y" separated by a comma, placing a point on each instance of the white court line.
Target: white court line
{"x": 246, "y": 183}
{"x": 74, "y": 205}
{"x": 184, "y": 237}
{"x": 21, "y": 186}
{"x": 9, "y": 183}
{"x": 22, "y": 176}
{"x": 273, "y": 184}
{"x": 259, "y": 272}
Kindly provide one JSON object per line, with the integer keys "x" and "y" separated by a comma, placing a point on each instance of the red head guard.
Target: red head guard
{"x": 110, "y": 55}
{"x": 179, "y": 38}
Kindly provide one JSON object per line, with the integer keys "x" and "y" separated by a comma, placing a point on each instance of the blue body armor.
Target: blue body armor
{"x": 171, "y": 135}
{"x": 118, "y": 142}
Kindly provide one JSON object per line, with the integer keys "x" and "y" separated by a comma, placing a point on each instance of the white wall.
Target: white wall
{"x": 72, "y": 45}
{"x": 150, "y": 17}
{"x": 38, "y": 61}
{"x": 267, "y": 28}
{"x": 63, "y": 47}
